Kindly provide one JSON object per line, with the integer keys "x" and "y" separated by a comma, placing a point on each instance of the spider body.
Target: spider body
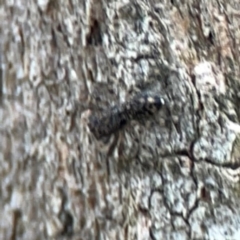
{"x": 115, "y": 118}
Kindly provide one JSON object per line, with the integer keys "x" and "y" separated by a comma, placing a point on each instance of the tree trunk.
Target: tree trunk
{"x": 119, "y": 119}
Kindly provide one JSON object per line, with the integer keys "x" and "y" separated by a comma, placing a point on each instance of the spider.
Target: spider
{"x": 141, "y": 106}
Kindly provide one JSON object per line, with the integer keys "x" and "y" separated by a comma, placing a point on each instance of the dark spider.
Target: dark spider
{"x": 141, "y": 106}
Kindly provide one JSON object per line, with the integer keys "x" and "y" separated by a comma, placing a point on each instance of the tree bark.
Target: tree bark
{"x": 119, "y": 119}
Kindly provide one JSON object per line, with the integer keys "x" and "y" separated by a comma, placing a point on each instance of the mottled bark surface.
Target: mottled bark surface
{"x": 173, "y": 175}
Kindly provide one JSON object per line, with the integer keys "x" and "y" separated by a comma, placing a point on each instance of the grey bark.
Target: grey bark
{"x": 171, "y": 175}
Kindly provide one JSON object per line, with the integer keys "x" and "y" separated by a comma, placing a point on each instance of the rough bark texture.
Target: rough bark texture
{"x": 173, "y": 175}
